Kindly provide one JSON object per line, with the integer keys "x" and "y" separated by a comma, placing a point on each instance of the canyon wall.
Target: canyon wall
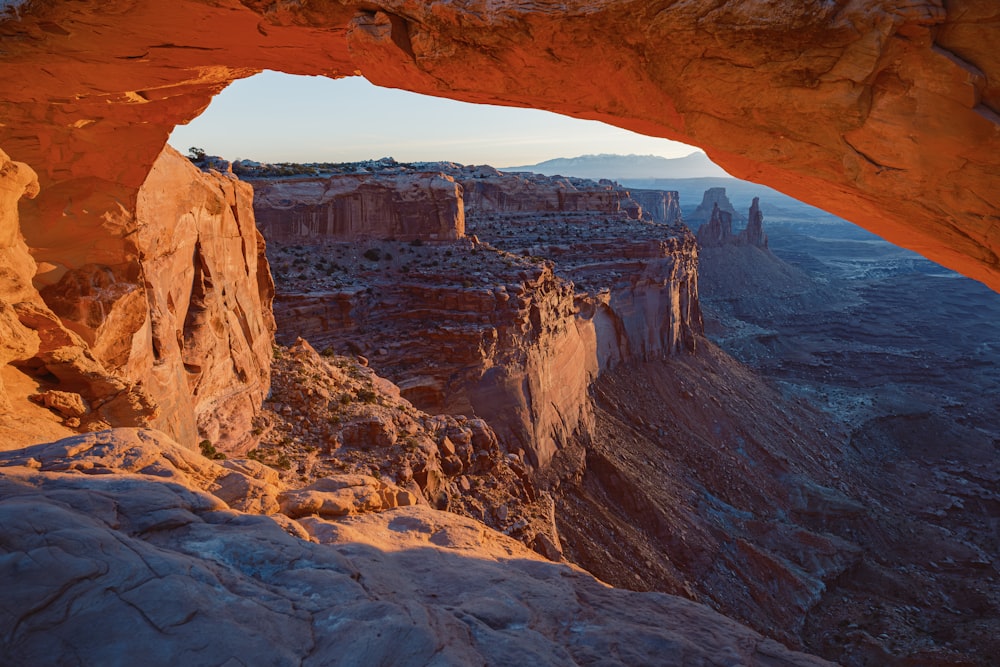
{"x": 659, "y": 205}
{"x": 177, "y": 336}
{"x": 489, "y": 329}
{"x": 352, "y": 207}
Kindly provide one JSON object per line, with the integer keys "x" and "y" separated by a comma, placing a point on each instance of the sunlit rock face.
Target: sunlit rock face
{"x": 204, "y": 347}
{"x": 883, "y": 111}
{"x": 178, "y": 335}
{"x": 129, "y": 548}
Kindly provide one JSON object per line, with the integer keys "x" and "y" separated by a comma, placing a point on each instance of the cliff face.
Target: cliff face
{"x": 659, "y": 205}
{"x": 712, "y": 199}
{"x": 499, "y": 341}
{"x": 178, "y": 335}
{"x": 490, "y": 191}
{"x": 522, "y": 342}
{"x": 204, "y": 348}
{"x": 352, "y": 207}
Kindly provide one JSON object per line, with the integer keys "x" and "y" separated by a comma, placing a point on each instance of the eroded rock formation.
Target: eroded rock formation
{"x": 128, "y": 547}
{"x": 203, "y": 347}
{"x": 524, "y": 343}
{"x": 423, "y": 205}
{"x": 177, "y": 336}
{"x": 718, "y": 230}
{"x": 883, "y": 112}
{"x": 712, "y": 199}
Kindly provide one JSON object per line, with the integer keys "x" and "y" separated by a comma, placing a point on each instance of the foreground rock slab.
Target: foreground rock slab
{"x": 147, "y": 566}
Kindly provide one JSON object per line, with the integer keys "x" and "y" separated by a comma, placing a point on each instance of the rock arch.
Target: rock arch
{"x": 882, "y": 111}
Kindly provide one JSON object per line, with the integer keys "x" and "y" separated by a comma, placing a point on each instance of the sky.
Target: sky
{"x": 274, "y": 117}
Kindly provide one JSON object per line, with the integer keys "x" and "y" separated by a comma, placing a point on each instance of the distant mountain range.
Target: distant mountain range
{"x": 625, "y": 167}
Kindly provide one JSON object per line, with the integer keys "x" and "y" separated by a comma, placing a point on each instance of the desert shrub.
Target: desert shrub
{"x": 367, "y": 396}
{"x": 373, "y": 254}
{"x": 209, "y": 451}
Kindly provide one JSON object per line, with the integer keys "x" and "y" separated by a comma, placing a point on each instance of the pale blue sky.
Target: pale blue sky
{"x": 276, "y": 117}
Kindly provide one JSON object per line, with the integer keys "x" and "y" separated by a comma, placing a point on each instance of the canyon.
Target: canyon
{"x": 689, "y": 475}
{"x": 136, "y": 328}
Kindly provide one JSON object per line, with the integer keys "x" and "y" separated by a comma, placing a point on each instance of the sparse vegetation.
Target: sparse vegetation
{"x": 209, "y": 451}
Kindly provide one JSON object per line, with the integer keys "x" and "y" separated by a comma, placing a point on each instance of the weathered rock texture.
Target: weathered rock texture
{"x": 659, "y": 205}
{"x": 883, "y": 111}
{"x": 461, "y": 327}
{"x": 523, "y": 343}
{"x": 36, "y": 340}
{"x": 353, "y": 207}
{"x": 178, "y": 335}
{"x": 203, "y": 349}
{"x": 712, "y": 199}
{"x": 129, "y": 548}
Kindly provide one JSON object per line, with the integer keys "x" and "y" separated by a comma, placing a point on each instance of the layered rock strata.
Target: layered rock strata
{"x": 352, "y": 207}
{"x": 516, "y": 354}
{"x": 524, "y": 342}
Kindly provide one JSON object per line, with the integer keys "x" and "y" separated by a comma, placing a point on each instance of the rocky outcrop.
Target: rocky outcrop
{"x": 842, "y": 107}
{"x": 662, "y": 206}
{"x": 203, "y": 349}
{"x": 712, "y": 199}
{"x": 718, "y": 231}
{"x": 178, "y": 336}
{"x": 352, "y": 207}
{"x": 128, "y": 547}
{"x": 754, "y": 233}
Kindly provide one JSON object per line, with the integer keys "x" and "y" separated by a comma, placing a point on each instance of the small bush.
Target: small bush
{"x": 367, "y": 396}
{"x": 373, "y": 254}
{"x": 209, "y": 451}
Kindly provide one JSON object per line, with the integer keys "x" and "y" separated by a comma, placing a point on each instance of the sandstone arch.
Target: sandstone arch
{"x": 882, "y": 111}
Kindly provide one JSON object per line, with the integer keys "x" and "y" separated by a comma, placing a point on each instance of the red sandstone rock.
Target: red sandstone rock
{"x": 147, "y": 565}
{"x": 876, "y": 111}
{"x": 203, "y": 347}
